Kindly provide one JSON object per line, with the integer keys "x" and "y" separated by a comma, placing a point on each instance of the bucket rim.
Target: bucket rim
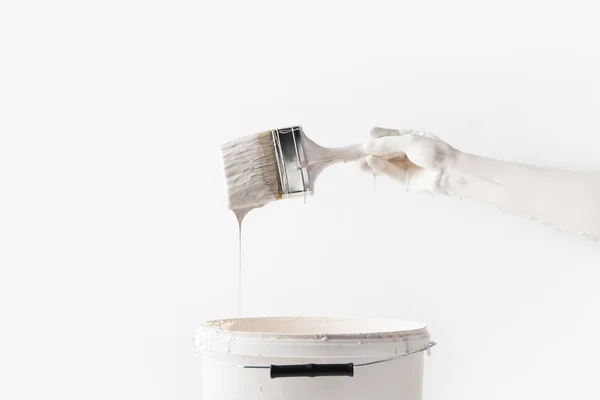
{"x": 246, "y": 327}
{"x": 318, "y": 341}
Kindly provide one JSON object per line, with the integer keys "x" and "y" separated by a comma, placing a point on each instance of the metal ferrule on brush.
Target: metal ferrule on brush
{"x": 291, "y": 162}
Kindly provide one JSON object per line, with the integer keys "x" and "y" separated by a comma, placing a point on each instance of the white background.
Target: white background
{"x": 115, "y": 240}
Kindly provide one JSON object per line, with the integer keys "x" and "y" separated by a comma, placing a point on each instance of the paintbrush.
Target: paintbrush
{"x": 276, "y": 164}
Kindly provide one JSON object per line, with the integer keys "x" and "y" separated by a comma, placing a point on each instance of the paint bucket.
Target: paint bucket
{"x": 312, "y": 358}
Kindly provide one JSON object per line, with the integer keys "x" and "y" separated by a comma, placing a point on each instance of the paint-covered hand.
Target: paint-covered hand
{"x": 418, "y": 160}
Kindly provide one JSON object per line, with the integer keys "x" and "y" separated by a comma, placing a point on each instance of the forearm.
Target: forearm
{"x": 567, "y": 200}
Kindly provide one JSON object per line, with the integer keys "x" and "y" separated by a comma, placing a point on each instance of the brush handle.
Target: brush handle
{"x": 316, "y": 154}
{"x": 335, "y": 155}
{"x": 318, "y": 158}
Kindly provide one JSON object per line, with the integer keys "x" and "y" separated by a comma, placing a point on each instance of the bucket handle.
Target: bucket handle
{"x": 311, "y": 370}
{"x": 317, "y": 370}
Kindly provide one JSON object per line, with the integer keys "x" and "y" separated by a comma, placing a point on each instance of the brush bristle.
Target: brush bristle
{"x": 251, "y": 171}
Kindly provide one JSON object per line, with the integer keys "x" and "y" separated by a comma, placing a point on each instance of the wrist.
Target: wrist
{"x": 453, "y": 176}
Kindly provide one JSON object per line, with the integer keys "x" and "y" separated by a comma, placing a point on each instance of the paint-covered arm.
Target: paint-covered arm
{"x": 567, "y": 200}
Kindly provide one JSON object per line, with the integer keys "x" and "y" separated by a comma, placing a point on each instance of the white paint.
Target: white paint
{"x": 566, "y": 200}
{"x": 286, "y": 341}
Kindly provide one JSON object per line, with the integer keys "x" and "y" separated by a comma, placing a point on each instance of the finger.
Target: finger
{"x": 389, "y": 146}
{"x": 401, "y": 162}
{"x": 427, "y": 134}
{"x": 406, "y": 132}
{"x": 378, "y": 132}
{"x": 385, "y": 168}
{"x": 375, "y": 133}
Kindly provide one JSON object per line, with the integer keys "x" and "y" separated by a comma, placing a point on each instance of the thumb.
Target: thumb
{"x": 378, "y": 132}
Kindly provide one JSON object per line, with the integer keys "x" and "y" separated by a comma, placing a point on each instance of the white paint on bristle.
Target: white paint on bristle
{"x": 250, "y": 173}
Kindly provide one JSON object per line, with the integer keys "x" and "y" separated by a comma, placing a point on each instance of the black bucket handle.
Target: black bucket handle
{"x": 311, "y": 370}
